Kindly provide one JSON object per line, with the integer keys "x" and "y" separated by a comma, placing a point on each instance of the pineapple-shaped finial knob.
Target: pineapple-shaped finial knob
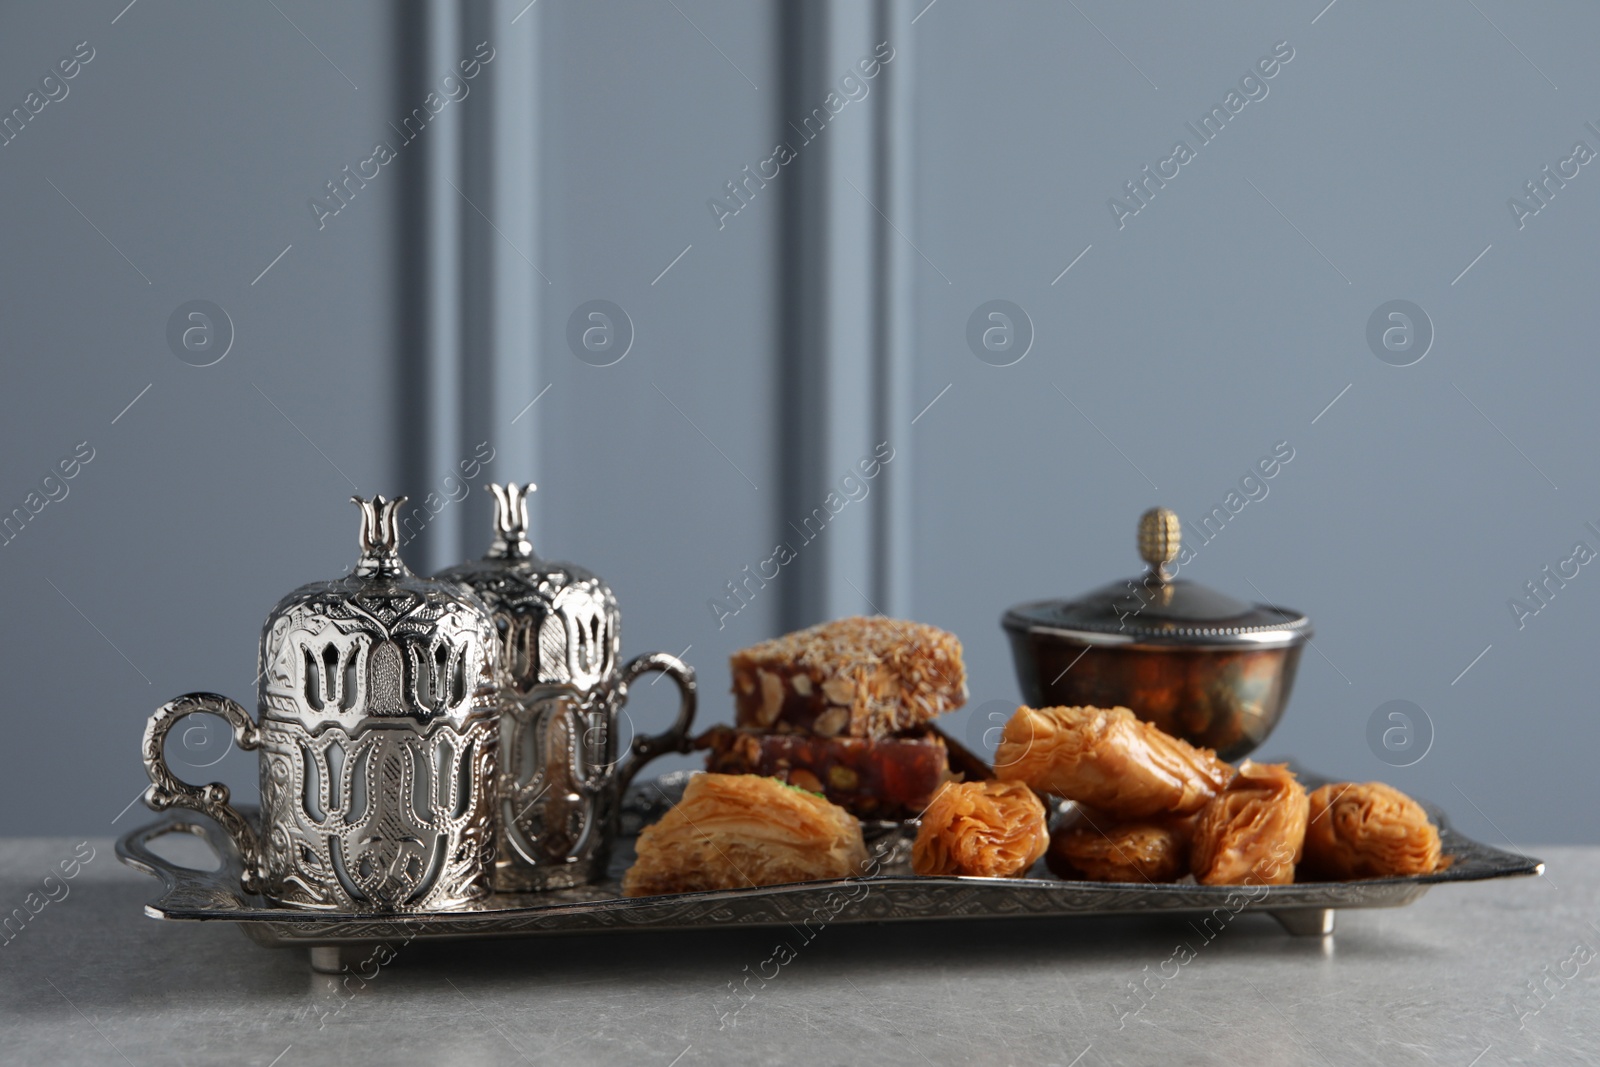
{"x": 1160, "y": 537}
{"x": 380, "y": 537}
{"x": 511, "y": 521}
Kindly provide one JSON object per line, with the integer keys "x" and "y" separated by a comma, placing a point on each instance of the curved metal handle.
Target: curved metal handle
{"x": 167, "y": 790}
{"x": 674, "y": 739}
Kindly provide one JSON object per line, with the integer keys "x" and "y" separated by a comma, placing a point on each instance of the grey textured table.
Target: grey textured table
{"x": 1450, "y": 980}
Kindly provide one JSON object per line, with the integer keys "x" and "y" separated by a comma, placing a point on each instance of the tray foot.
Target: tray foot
{"x": 1304, "y": 922}
{"x": 328, "y": 959}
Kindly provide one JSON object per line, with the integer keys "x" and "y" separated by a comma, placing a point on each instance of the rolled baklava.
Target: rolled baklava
{"x": 984, "y": 829}
{"x": 1367, "y": 831}
{"x": 1253, "y": 831}
{"x": 1110, "y": 760}
{"x": 1097, "y": 849}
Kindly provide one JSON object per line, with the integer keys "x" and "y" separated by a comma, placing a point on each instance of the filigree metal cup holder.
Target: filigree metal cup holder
{"x": 378, "y": 741}
{"x": 562, "y": 778}
{"x": 560, "y": 632}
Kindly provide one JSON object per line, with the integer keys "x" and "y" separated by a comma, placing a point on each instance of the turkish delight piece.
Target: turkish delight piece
{"x": 890, "y": 778}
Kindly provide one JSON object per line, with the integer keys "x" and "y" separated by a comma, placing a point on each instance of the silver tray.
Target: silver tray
{"x": 897, "y": 895}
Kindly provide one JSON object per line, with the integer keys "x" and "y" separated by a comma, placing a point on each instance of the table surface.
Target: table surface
{"x": 1470, "y": 976}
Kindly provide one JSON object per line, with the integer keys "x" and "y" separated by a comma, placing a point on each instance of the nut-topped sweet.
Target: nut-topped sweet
{"x": 855, "y": 677}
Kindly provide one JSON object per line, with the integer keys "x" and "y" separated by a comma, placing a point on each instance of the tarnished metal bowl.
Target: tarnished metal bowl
{"x": 1201, "y": 665}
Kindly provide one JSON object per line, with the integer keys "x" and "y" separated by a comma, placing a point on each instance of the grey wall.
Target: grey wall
{"x": 1192, "y": 340}
{"x": 659, "y": 471}
{"x": 1208, "y": 329}
{"x": 193, "y": 141}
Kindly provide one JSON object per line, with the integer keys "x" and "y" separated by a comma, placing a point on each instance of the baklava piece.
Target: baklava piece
{"x": 893, "y": 778}
{"x": 856, "y": 677}
{"x": 984, "y": 829}
{"x": 1110, "y": 760}
{"x": 731, "y": 831}
{"x": 1097, "y": 849}
{"x": 1367, "y": 831}
{"x": 1253, "y": 832}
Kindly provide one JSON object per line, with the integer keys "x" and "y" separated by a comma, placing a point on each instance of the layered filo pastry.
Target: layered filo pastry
{"x": 1253, "y": 831}
{"x": 981, "y": 829}
{"x": 1098, "y": 849}
{"x": 1110, "y": 760}
{"x": 1367, "y": 831}
{"x": 732, "y": 831}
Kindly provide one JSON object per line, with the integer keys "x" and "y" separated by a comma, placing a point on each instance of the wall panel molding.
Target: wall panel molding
{"x": 469, "y": 290}
{"x": 845, "y": 341}
{"x": 471, "y": 285}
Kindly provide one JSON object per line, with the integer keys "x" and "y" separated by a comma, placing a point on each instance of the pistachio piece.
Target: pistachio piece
{"x": 805, "y": 780}
{"x": 842, "y": 777}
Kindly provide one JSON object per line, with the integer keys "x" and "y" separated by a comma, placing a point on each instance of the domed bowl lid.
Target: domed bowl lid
{"x": 1157, "y": 608}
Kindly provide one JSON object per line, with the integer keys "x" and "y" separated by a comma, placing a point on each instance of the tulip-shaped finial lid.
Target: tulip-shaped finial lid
{"x": 511, "y": 521}
{"x": 380, "y": 538}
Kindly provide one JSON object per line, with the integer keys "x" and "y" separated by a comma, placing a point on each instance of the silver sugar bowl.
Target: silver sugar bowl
{"x": 1199, "y": 664}
{"x": 378, "y": 739}
{"x": 561, "y": 778}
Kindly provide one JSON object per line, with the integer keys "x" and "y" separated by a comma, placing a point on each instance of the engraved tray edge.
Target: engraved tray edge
{"x": 200, "y": 896}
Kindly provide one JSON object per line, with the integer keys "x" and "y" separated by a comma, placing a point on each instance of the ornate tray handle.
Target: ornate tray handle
{"x": 167, "y": 790}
